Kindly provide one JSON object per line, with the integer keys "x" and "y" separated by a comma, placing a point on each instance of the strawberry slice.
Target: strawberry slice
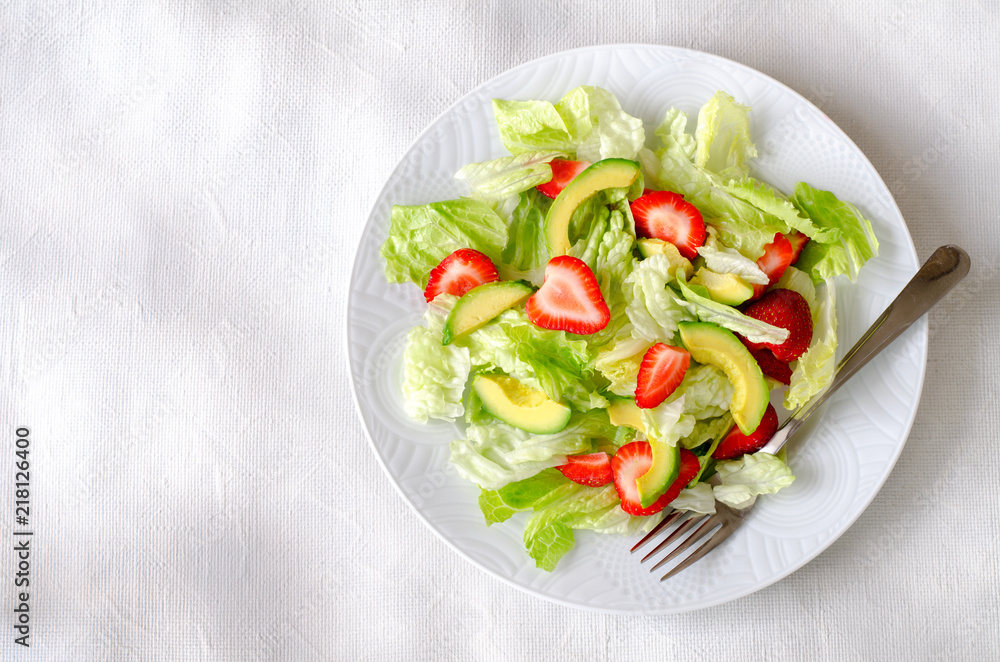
{"x": 668, "y": 216}
{"x": 460, "y": 272}
{"x": 771, "y": 366}
{"x": 798, "y": 242}
{"x": 569, "y": 299}
{"x": 778, "y": 256}
{"x": 661, "y": 371}
{"x": 592, "y": 469}
{"x": 736, "y": 443}
{"x": 563, "y": 172}
{"x": 633, "y": 460}
{"x": 789, "y": 310}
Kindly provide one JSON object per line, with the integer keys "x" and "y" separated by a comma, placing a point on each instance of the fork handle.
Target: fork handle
{"x": 941, "y": 272}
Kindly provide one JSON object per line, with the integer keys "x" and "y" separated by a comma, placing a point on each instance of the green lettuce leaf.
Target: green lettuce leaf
{"x": 652, "y": 306}
{"x": 667, "y": 423}
{"x": 749, "y": 476}
{"x": 421, "y": 236}
{"x": 813, "y": 372}
{"x": 552, "y": 361}
{"x": 619, "y": 362}
{"x": 434, "y": 375}
{"x": 494, "y": 454}
{"x": 724, "y": 260}
{"x": 526, "y": 252}
{"x": 723, "y": 137}
{"x": 612, "y": 266}
{"x": 673, "y": 133}
{"x": 588, "y": 123}
{"x": 499, "y": 505}
{"x": 854, "y": 242}
{"x": 698, "y": 498}
{"x": 705, "y": 309}
{"x": 508, "y": 175}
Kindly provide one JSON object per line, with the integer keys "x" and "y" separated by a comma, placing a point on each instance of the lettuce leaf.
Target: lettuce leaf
{"x": 854, "y": 241}
{"x": 588, "y": 122}
{"x": 744, "y": 479}
{"x": 499, "y": 505}
{"x": 508, "y": 175}
{"x": 698, "y": 498}
{"x": 672, "y": 132}
{"x": 724, "y": 260}
{"x": 494, "y": 454}
{"x": 652, "y": 306}
{"x": 526, "y": 251}
{"x": 552, "y": 361}
{"x": 421, "y": 236}
{"x": 434, "y": 375}
{"x": 698, "y": 304}
{"x": 813, "y": 372}
{"x": 723, "y": 137}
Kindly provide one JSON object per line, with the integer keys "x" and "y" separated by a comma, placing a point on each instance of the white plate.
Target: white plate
{"x": 840, "y": 466}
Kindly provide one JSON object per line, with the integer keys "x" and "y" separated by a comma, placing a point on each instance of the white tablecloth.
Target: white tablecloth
{"x": 182, "y": 188}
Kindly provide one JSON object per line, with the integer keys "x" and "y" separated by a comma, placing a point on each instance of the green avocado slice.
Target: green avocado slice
{"x": 481, "y": 304}
{"x": 714, "y": 345}
{"x": 609, "y": 173}
{"x": 520, "y": 405}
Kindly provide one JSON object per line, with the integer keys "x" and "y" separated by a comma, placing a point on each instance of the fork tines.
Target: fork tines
{"x": 690, "y": 532}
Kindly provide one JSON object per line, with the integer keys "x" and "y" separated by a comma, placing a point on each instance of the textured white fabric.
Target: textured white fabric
{"x": 182, "y": 188}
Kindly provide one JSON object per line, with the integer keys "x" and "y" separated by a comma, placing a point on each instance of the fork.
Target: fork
{"x": 941, "y": 272}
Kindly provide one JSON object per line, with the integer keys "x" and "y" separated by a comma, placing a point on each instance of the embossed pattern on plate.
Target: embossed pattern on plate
{"x": 840, "y": 466}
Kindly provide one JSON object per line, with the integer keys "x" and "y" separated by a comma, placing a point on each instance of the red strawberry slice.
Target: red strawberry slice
{"x": 777, "y": 257}
{"x": 771, "y": 366}
{"x": 460, "y": 272}
{"x": 563, "y": 172}
{"x": 633, "y": 460}
{"x": 592, "y": 469}
{"x": 661, "y": 371}
{"x": 798, "y": 242}
{"x": 668, "y": 216}
{"x": 569, "y": 299}
{"x": 736, "y": 443}
{"x": 787, "y": 309}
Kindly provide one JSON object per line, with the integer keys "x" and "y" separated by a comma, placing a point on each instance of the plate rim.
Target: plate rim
{"x": 919, "y": 328}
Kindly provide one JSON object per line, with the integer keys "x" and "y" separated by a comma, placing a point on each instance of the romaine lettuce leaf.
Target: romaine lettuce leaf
{"x": 508, "y": 175}
{"x": 526, "y": 251}
{"x": 552, "y": 361}
{"x": 652, "y": 306}
{"x": 698, "y": 304}
{"x": 673, "y": 133}
{"x": 434, "y": 375}
{"x": 723, "y": 137}
{"x": 724, "y": 260}
{"x": 813, "y": 372}
{"x": 499, "y": 505}
{"x": 749, "y": 476}
{"x": 494, "y": 454}
{"x": 854, "y": 242}
{"x": 698, "y": 498}
{"x": 588, "y": 123}
{"x": 667, "y": 423}
{"x": 421, "y": 236}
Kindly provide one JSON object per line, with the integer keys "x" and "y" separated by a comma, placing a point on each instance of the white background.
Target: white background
{"x": 182, "y": 187}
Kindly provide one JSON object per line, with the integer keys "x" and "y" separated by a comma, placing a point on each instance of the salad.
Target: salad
{"x": 610, "y": 315}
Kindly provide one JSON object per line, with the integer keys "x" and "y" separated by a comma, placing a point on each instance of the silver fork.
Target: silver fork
{"x": 941, "y": 272}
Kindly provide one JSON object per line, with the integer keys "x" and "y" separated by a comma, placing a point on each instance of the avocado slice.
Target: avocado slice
{"x": 520, "y": 405}
{"x": 661, "y": 473}
{"x": 609, "y": 173}
{"x": 714, "y": 345}
{"x": 481, "y": 304}
{"x": 649, "y": 247}
{"x": 624, "y": 411}
{"x": 729, "y": 289}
